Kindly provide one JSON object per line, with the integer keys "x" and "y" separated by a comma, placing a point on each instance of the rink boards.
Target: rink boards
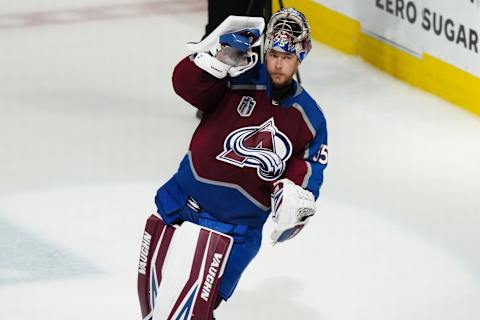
{"x": 429, "y": 44}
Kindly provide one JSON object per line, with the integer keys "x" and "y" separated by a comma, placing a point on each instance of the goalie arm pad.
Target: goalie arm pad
{"x": 292, "y": 206}
{"x": 197, "y": 87}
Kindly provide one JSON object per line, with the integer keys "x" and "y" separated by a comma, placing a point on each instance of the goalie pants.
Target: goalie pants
{"x": 175, "y": 206}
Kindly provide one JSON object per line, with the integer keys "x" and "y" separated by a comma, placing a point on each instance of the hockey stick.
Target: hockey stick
{"x": 249, "y": 8}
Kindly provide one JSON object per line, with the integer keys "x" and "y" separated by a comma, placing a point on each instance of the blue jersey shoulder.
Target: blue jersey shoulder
{"x": 315, "y": 159}
{"x": 310, "y": 109}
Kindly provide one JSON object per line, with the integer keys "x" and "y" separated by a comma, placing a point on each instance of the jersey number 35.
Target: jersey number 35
{"x": 322, "y": 155}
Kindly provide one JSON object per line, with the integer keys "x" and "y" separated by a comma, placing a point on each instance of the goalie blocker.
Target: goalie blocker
{"x": 180, "y": 270}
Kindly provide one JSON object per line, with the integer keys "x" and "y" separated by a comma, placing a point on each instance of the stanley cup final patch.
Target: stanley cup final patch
{"x": 246, "y": 105}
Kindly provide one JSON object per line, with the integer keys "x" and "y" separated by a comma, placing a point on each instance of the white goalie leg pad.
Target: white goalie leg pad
{"x": 184, "y": 272}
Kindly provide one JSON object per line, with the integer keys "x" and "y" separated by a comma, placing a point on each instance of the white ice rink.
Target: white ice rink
{"x": 90, "y": 127}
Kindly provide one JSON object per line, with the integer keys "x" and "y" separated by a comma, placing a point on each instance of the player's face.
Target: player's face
{"x": 281, "y": 67}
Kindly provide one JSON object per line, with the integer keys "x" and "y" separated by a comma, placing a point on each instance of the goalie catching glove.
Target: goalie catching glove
{"x": 228, "y": 49}
{"x": 292, "y": 206}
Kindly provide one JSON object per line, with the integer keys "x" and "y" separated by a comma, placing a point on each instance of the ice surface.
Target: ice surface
{"x": 90, "y": 127}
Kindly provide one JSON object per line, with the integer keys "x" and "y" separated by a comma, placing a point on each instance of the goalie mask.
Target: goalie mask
{"x": 288, "y": 31}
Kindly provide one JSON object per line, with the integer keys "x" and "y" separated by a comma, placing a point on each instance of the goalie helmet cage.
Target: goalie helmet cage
{"x": 280, "y": 3}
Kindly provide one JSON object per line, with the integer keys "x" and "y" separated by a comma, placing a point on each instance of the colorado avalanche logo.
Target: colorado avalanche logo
{"x": 262, "y": 147}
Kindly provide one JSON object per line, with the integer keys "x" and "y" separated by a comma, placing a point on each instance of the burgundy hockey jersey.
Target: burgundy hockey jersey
{"x": 246, "y": 141}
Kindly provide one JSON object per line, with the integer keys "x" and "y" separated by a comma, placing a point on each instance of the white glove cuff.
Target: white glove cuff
{"x": 238, "y": 70}
{"x": 211, "y": 65}
{"x": 218, "y": 69}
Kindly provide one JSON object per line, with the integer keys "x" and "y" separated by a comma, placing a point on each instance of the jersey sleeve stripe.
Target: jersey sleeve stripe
{"x": 246, "y": 86}
{"x": 308, "y": 174}
{"x": 306, "y": 119}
